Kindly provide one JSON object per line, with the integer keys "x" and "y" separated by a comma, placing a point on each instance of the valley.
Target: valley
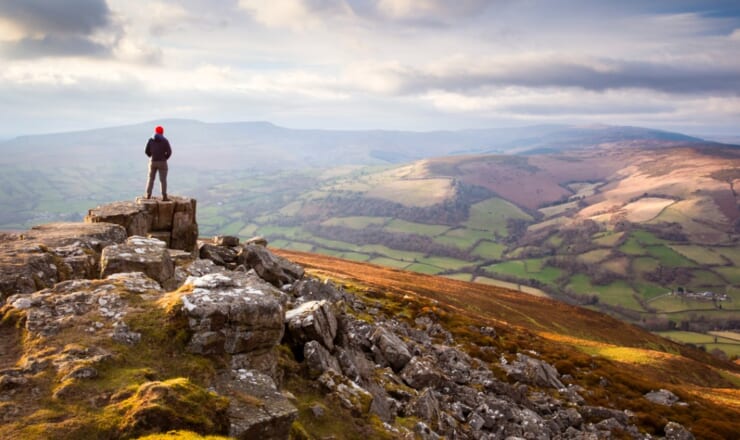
{"x": 645, "y": 231}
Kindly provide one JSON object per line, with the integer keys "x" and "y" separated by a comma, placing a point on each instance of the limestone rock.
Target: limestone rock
{"x": 232, "y": 313}
{"x": 270, "y": 267}
{"x": 174, "y": 221}
{"x": 675, "y": 431}
{"x": 533, "y": 371}
{"x": 420, "y": 373}
{"x": 312, "y": 321}
{"x": 222, "y": 256}
{"x": 350, "y": 395}
{"x": 662, "y": 397}
{"x": 318, "y": 359}
{"x": 257, "y": 241}
{"x": 226, "y": 240}
{"x": 390, "y": 348}
{"x": 311, "y": 289}
{"x": 138, "y": 254}
{"x": 54, "y": 252}
{"x": 257, "y": 410}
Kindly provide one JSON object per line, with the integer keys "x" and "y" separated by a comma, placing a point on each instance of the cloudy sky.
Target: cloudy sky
{"x": 396, "y": 64}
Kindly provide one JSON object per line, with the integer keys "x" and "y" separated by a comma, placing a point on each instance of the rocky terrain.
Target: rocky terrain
{"x": 109, "y": 332}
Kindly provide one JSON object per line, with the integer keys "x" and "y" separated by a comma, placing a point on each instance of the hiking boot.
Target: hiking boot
{"x": 148, "y": 196}
{"x": 164, "y": 198}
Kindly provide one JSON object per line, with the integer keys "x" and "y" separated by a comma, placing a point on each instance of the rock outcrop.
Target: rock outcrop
{"x": 173, "y": 221}
{"x": 235, "y": 313}
{"x": 52, "y": 253}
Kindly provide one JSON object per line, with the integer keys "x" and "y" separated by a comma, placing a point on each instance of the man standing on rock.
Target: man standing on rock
{"x": 158, "y": 149}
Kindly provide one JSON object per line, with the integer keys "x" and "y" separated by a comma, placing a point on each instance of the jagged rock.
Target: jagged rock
{"x": 257, "y": 410}
{"x": 454, "y": 363}
{"x": 232, "y": 313}
{"x": 173, "y": 220}
{"x": 199, "y": 267}
{"x": 138, "y": 254}
{"x": 270, "y": 267}
{"x": 389, "y": 348}
{"x": 257, "y": 241}
{"x": 318, "y": 359}
{"x": 675, "y": 431}
{"x": 222, "y": 256}
{"x": 311, "y": 289}
{"x": 425, "y": 432}
{"x": 312, "y": 321}
{"x": 533, "y": 371}
{"x": 599, "y": 413}
{"x": 420, "y": 372}
{"x": 662, "y": 397}
{"x": 226, "y": 240}
{"x": 349, "y": 394}
{"x": 426, "y": 407}
{"x": 47, "y": 254}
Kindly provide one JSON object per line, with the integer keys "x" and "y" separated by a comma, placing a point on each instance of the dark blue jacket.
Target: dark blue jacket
{"x": 158, "y": 148}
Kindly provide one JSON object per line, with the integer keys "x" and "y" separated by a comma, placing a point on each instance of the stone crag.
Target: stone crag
{"x": 173, "y": 222}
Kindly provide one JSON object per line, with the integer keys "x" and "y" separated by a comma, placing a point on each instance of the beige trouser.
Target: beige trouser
{"x": 154, "y": 166}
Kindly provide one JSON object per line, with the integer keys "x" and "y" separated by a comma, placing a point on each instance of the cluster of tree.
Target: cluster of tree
{"x": 668, "y": 275}
{"x": 394, "y": 240}
{"x": 572, "y": 266}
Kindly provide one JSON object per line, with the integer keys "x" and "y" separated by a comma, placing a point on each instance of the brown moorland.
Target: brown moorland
{"x": 616, "y": 362}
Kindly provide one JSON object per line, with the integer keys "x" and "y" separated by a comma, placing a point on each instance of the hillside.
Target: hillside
{"x": 617, "y": 227}
{"x": 127, "y": 338}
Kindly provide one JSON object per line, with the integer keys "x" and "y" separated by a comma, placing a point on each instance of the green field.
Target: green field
{"x": 389, "y": 262}
{"x": 607, "y": 238}
{"x": 415, "y": 228}
{"x": 730, "y": 346}
{"x": 462, "y": 238}
{"x": 527, "y": 269}
{"x": 356, "y": 222}
{"x": 730, "y": 273}
{"x": 446, "y": 263}
{"x": 489, "y": 249}
{"x": 700, "y": 254}
{"x": 668, "y": 257}
{"x": 493, "y": 214}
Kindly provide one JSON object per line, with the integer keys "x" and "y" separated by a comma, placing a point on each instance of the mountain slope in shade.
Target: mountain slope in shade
{"x": 244, "y": 144}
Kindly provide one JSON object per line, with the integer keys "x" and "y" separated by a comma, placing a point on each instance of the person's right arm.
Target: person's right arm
{"x": 148, "y": 149}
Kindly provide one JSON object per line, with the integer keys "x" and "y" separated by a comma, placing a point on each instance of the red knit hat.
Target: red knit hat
{"x": 159, "y": 129}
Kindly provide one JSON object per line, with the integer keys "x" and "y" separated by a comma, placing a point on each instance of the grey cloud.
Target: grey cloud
{"x": 64, "y": 46}
{"x": 59, "y": 28}
{"x": 71, "y": 17}
{"x": 609, "y": 76}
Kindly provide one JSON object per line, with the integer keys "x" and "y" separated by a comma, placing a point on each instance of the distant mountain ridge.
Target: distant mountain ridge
{"x": 231, "y": 145}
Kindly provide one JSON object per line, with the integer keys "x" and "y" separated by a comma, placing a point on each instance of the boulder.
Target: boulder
{"x": 319, "y": 360}
{"x": 222, "y": 256}
{"x": 426, "y": 407}
{"x": 311, "y": 289}
{"x": 350, "y": 395}
{"x": 675, "y": 431}
{"x": 232, "y": 313}
{"x": 662, "y": 397}
{"x": 257, "y": 410}
{"x": 389, "y": 349}
{"x": 533, "y": 371}
{"x": 420, "y": 372}
{"x": 257, "y": 241}
{"x": 270, "y": 267}
{"x": 312, "y": 321}
{"x": 226, "y": 240}
{"x": 138, "y": 254}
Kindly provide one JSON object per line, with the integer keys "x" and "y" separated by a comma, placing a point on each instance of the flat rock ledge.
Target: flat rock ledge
{"x": 173, "y": 221}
